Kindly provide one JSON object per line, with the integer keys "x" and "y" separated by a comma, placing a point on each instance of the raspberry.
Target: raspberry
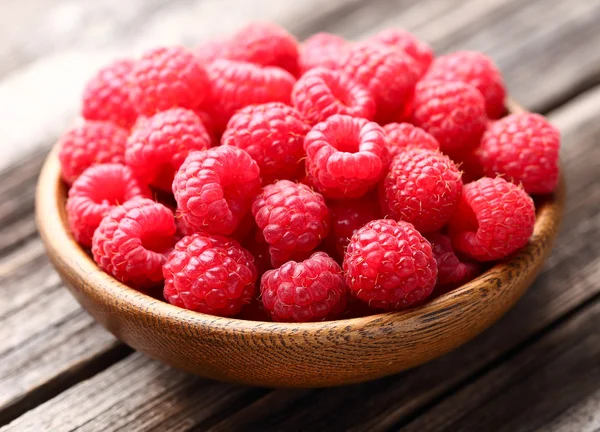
{"x": 273, "y": 135}
{"x": 95, "y": 192}
{"x": 311, "y": 290}
{"x": 212, "y": 50}
{"x": 347, "y": 216}
{"x": 291, "y": 216}
{"x": 106, "y": 96}
{"x": 133, "y": 241}
{"x": 389, "y": 265}
{"x": 470, "y": 165}
{"x": 209, "y": 125}
{"x": 453, "y": 112}
{"x": 166, "y": 78}
{"x": 525, "y": 148}
{"x": 476, "y": 69}
{"x": 214, "y": 188}
{"x": 494, "y": 218}
{"x": 238, "y": 84}
{"x": 345, "y": 156}
{"x": 321, "y": 50}
{"x": 423, "y": 187}
{"x": 402, "y": 136}
{"x": 452, "y": 270}
{"x": 407, "y": 43}
{"x": 389, "y": 75}
{"x": 90, "y": 143}
{"x": 321, "y": 93}
{"x": 159, "y": 145}
{"x": 265, "y": 44}
{"x": 211, "y": 274}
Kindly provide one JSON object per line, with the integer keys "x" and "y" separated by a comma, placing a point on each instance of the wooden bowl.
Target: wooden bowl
{"x": 288, "y": 354}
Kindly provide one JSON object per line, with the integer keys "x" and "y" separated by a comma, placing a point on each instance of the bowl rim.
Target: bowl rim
{"x": 62, "y": 248}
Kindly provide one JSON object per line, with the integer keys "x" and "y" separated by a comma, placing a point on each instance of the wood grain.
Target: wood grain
{"x": 543, "y": 45}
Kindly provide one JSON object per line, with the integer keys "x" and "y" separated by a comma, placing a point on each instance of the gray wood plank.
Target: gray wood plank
{"x": 528, "y": 391}
{"x": 380, "y": 404}
{"x": 38, "y": 100}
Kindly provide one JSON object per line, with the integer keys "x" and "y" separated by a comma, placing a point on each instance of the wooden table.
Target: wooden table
{"x": 537, "y": 369}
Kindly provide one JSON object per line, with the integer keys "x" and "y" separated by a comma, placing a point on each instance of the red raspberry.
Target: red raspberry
{"x": 321, "y": 50}
{"x": 166, "y": 78}
{"x": 292, "y": 216}
{"x": 453, "y": 112}
{"x": 321, "y": 93}
{"x": 237, "y": 84}
{"x": 265, "y": 44}
{"x": 470, "y": 165}
{"x": 211, "y": 274}
{"x": 212, "y": 50}
{"x": 402, "y": 136}
{"x": 159, "y": 145}
{"x": 311, "y": 290}
{"x": 494, "y": 218}
{"x": 525, "y": 148}
{"x": 407, "y": 43}
{"x": 95, "y": 192}
{"x": 389, "y": 265}
{"x": 345, "y": 156}
{"x": 210, "y": 126}
{"x": 388, "y": 74}
{"x": 255, "y": 311}
{"x": 259, "y": 248}
{"x": 90, "y": 143}
{"x": 452, "y": 270}
{"x": 423, "y": 187}
{"x": 106, "y": 95}
{"x": 133, "y": 241}
{"x": 214, "y": 188}
{"x": 476, "y": 69}
{"x": 347, "y": 216}
{"x": 273, "y": 135}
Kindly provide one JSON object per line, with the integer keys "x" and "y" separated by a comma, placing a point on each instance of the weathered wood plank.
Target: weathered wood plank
{"x": 44, "y": 98}
{"x": 388, "y": 402}
{"x": 529, "y": 390}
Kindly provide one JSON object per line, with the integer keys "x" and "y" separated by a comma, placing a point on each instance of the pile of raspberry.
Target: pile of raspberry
{"x": 267, "y": 179}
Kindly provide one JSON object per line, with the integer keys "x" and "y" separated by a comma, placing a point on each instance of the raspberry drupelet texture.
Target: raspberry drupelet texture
{"x": 453, "y": 271}
{"x": 90, "y": 143}
{"x": 389, "y": 265}
{"x": 238, "y": 84}
{"x": 212, "y": 50}
{"x": 273, "y": 135}
{"x": 407, "y": 43}
{"x": 453, "y": 112}
{"x": 95, "y": 192}
{"x": 211, "y": 274}
{"x": 523, "y": 147}
{"x": 346, "y": 156}
{"x": 321, "y": 93}
{"x": 214, "y": 189}
{"x": 159, "y": 145}
{"x": 422, "y": 187}
{"x": 388, "y": 74}
{"x": 494, "y": 218}
{"x": 133, "y": 241}
{"x": 476, "y": 69}
{"x": 106, "y": 96}
{"x": 291, "y": 216}
{"x": 402, "y": 136}
{"x": 265, "y": 44}
{"x": 311, "y": 290}
{"x": 165, "y": 78}
{"x": 347, "y": 216}
{"x": 321, "y": 50}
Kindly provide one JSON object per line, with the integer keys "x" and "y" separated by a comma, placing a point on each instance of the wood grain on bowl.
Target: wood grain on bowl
{"x": 289, "y": 354}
